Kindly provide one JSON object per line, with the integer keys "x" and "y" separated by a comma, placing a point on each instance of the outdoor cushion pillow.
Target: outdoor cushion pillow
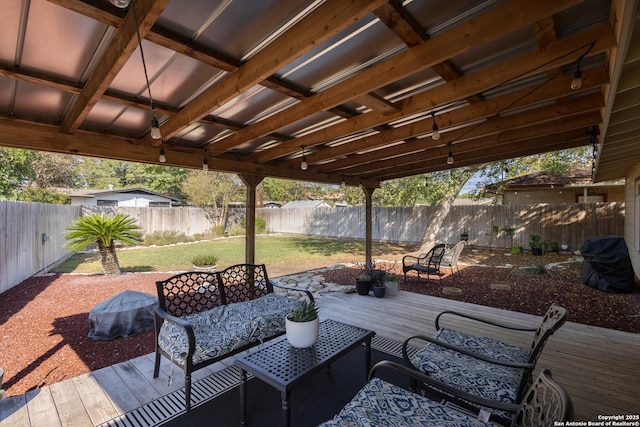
{"x": 225, "y": 328}
{"x": 382, "y": 403}
{"x": 485, "y": 346}
{"x": 466, "y": 373}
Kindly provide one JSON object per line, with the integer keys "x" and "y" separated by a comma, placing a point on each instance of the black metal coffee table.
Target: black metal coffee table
{"x": 284, "y": 367}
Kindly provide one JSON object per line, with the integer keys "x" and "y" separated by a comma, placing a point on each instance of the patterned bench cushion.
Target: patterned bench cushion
{"x": 469, "y": 374}
{"x": 483, "y": 345}
{"x": 380, "y": 403}
{"x": 225, "y": 328}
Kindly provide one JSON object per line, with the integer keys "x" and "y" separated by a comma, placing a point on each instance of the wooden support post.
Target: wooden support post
{"x": 368, "y": 193}
{"x": 251, "y": 182}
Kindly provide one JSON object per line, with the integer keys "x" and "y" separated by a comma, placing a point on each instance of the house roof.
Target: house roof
{"x": 96, "y": 193}
{"x": 355, "y": 85}
{"x": 549, "y": 180}
{"x": 619, "y": 149}
{"x": 304, "y": 204}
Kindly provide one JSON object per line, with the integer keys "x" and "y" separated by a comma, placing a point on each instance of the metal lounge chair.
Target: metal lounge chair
{"x": 451, "y": 256}
{"x": 484, "y": 366}
{"x": 545, "y": 404}
{"x": 427, "y": 263}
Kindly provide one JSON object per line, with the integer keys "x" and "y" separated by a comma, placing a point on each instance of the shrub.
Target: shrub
{"x": 261, "y": 225}
{"x": 166, "y": 237}
{"x": 205, "y": 259}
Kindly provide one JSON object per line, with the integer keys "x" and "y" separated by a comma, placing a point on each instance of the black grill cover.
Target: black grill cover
{"x": 607, "y": 265}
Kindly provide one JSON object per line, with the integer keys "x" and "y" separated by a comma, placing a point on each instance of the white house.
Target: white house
{"x": 131, "y": 197}
{"x": 306, "y": 204}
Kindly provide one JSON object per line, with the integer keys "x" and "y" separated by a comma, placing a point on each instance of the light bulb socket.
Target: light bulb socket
{"x": 576, "y": 83}
{"x": 450, "y": 158}
{"x": 162, "y": 158}
{"x": 155, "y": 129}
{"x": 122, "y": 4}
{"x": 205, "y": 164}
{"x": 436, "y": 132}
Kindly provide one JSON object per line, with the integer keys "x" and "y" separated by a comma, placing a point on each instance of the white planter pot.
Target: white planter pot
{"x": 205, "y": 268}
{"x": 392, "y": 287}
{"x": 302, "y": 334}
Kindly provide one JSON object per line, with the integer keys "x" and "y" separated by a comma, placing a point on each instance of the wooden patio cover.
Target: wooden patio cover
{"x": 354, "y": 86}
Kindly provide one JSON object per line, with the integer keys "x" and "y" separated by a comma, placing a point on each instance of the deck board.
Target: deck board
{"x": 597, "y": 366}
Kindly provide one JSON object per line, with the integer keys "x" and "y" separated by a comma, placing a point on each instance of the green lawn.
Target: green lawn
{"x": 281, "y": 254}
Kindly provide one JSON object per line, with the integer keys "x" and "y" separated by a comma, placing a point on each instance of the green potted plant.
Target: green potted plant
{"x": 464, "y": 234}
{"x": 535, "y": 242}
{"x": 379, "y": 289}
{"x": 206, "y": 262}
{"x": 303, "y": 325}
{"x": 363, "y": 284}
{"x": 392, "y": 282}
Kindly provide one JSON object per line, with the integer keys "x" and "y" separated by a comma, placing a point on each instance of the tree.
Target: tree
{"x": 104, "y": 230}
{"x": 434, "y": 223}
{"x": 55, "y": 170}
{"x": 211, "y": 191}
{"x": 43, "y": 195}
{"x": 16, "y": 171}
{"x": 101, "y": 173}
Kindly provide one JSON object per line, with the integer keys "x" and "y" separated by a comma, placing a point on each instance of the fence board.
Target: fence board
{"x": 22, "y": 253}
{"x": 569, "y": 224}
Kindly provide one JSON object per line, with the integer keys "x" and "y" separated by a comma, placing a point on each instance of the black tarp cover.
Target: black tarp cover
{"x": 124, "y": 315}
{"x": 607, "y": 265}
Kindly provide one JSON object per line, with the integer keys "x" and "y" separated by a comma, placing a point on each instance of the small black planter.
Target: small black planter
{"x": 363, "y": 287}
{"x": 536, "y": 251}
{"x": 379, "y": 291}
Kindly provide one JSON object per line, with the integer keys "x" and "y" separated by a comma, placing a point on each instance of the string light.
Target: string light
{"x": 205, "y": 163}
{"x": 162, "y": 158}
{"x": 155, "y": 126}
{"x": 576, "y": 83}
{"x": 303, "y": 164}
{"x": 122, "y": 4}
{"x": 450, "y": 156}
{"x": 435, "y": 135}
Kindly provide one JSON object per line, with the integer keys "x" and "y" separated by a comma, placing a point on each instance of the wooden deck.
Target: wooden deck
{"x": 598, "y": 367}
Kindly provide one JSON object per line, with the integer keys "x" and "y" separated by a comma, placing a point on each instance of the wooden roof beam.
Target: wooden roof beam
{"x": 485, "y": 79}
{"x": 327, "y": 20}
{"x": 433, "y": 51}
{"x": 123, "y": 44}
{"x": 431, "y": 149}
{"x": 554, "y": 90}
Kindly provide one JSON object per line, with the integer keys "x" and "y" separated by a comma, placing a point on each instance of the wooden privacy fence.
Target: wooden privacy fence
{"x": 23, "y": 252}
{"x": 569, "y": 224}
{"x": 187, "y": 220}
{"x": 22, "y": 225}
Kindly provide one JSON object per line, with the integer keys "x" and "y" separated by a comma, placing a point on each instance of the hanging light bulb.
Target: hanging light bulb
{"x": 303, "y": 164}
{"x": 450, "y": 156}
{"x": 205, "y": 163}
{"x": 122, "y": 4}
{"x": 576, "y": 83}
{"x": 162, "y": 158}
{"x": 155, "y": 127}
{"x": 435, "y": 135}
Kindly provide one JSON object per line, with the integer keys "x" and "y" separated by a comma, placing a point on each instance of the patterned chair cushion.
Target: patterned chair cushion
{"x": 469, "y": 374}
{"x": 382, "y": 404}
{"x": 483, "y": 345}
{"x": 225, "y": 328}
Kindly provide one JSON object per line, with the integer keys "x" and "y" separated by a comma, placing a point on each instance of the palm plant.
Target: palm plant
{"x": 104, "y": 230}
